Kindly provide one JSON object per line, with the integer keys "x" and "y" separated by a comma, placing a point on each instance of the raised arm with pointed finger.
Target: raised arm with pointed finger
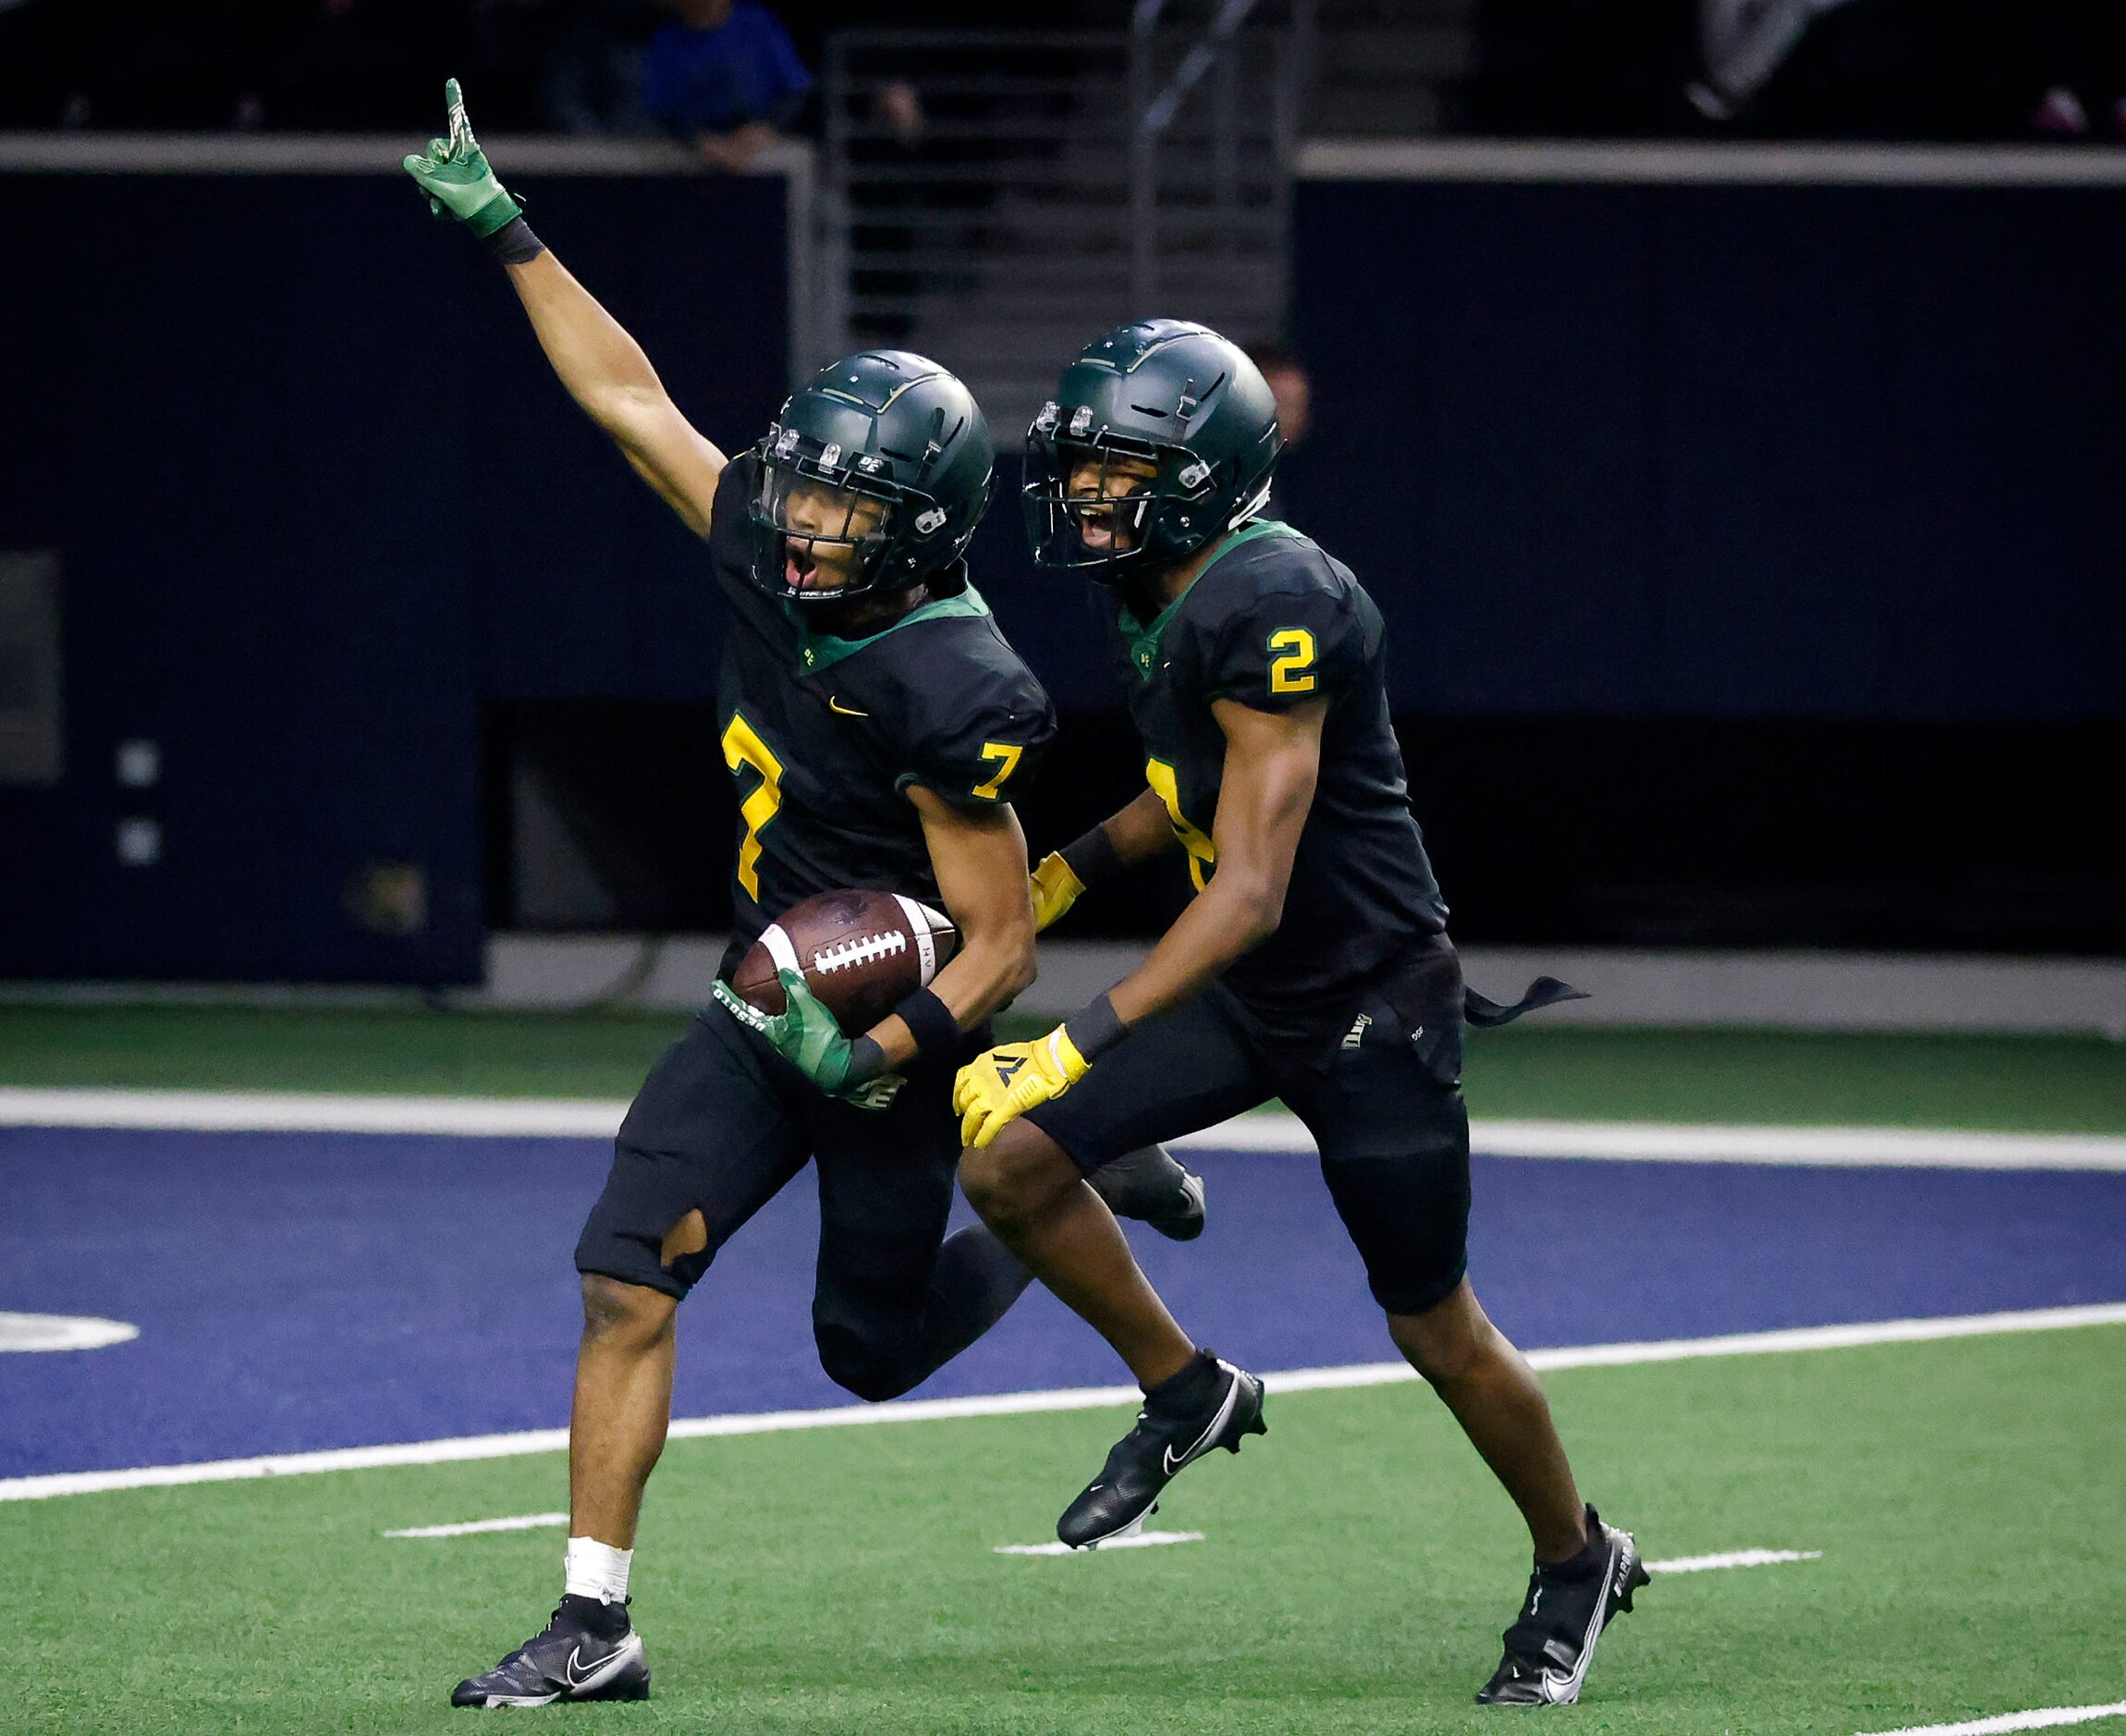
{"x": 603, "y": 367}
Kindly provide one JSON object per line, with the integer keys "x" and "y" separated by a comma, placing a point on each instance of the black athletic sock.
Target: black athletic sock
{"x": 593, "y": 1615}
{"x": 1194, "y": 1389}
{"x": 1593, "y": 1553}
{"x": 975, "y": 1281}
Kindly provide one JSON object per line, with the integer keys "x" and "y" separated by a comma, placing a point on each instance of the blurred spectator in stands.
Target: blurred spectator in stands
{"x": 590, "y": 71}
{"x": 2077, "y": 54}
{"x": 1743, "y": 44}
{"x": 1293, "y": 389}
{"x": 726, "y": 78}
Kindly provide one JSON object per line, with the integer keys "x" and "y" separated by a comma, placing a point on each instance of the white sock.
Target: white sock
{"x": 597, "y": 1569}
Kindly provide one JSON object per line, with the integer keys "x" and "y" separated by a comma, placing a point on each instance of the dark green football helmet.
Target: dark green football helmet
{"x": 875, "y": 475}
{"x": 1161, "y": 436}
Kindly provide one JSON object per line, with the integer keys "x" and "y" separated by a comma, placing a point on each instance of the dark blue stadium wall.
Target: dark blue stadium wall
{"x": 1777, "y": 452}
{"x": 1634, "y": 472}
{"x": 316, "y": 497}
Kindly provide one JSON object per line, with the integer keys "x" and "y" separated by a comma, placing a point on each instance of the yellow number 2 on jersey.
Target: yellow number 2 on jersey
{"x": 1005, "y": 757}
{"x": 1293, "y": 672}
{"x": 743, "y": 746}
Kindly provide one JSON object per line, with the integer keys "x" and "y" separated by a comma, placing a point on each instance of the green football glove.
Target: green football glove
{"x": 806, "y": 1035}
{"x": 455, "y": 176}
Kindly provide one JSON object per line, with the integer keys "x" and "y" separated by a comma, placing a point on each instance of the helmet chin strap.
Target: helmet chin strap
{"x": 1243, "y": 514}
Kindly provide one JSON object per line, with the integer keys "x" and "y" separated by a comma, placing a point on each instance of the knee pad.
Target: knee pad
{"x": 874, "y": 1370}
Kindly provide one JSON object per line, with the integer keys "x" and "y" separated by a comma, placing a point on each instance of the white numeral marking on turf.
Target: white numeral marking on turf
{"x": 523, "y": 1522}
{"x": 2047, "y": 1718}
{"x": 1734, "y": 1557}
{"x": 62, "y": 1332}
{"x": 1143, "y": 1540}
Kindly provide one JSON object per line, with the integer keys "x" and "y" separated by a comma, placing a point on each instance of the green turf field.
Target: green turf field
{"x": 1357, "y": 1567}
{"x": 2068, "y": 1084}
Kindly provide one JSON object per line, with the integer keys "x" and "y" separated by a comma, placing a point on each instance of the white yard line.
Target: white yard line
{"x": 432, "y": 1452}
{"x": 1143, "y": 1540}
{"x": 1930, "y": 1148}
{"x": 1734, "y": 1557}
{"x": 2046, "y": 1717}
{"x": 314, "y": 1112}
{"x": 570, "y": 1118}
{"x": 523, "y": 1522}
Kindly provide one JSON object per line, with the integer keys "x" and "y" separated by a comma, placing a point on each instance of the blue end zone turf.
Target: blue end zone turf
{"x": 299, "y": 1292}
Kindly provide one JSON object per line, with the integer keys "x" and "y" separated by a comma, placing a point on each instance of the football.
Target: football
{"x": 861, "y": 953}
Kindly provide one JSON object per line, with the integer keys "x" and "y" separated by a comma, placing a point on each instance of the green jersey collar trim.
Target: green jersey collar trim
{"x": 822, "y": 651}
{"x": 1143, "y": 642}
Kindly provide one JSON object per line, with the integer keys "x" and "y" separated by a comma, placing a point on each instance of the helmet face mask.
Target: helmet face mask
{"x": 1161, "y": 437}
{"x": 1107, "y": 504}
{"x": 873, "y": 479}
{"x": 823, "y": 538}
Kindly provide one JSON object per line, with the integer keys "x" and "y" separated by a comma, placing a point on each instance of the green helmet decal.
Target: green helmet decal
{"x": 1161, "y": 436}
{"x": 872, "y": 476}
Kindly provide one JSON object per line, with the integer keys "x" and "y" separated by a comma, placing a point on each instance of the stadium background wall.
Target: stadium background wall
{"x": 1752, "y": 556}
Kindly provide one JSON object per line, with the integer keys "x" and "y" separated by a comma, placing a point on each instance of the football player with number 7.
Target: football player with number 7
{"x": 1313, "y": 965}
{"x": 877, "y": 725}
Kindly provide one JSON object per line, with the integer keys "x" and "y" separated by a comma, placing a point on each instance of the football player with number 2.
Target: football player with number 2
{"x": 876, "y": 724}
{"x": 1313, "y": 965}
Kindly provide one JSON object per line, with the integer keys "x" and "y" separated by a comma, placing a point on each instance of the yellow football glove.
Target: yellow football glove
{"x": 1054, "y": 889}
{"x": 1000, "y": 1085}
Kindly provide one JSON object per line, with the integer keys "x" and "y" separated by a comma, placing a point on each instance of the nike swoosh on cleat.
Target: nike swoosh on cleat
{"x": 1222, "y": 1416}
{"x": 598, "y": 1671}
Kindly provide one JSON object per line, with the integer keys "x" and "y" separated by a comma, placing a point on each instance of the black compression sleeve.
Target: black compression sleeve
{"x": 1095, "y": 1029}
{"x": 1092, "y": 858}
{"x": 866, "y": 1062}
{"x": 514, "y": 244}
{"x": 937, "y": 1033}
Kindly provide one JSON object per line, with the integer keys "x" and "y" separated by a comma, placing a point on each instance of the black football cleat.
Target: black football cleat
{"x": 588, "y": 1651}
{"x": 1552, "y": 1641}
{"x": 1145, "y": 1459}
{"x": 1149, "y": 1185}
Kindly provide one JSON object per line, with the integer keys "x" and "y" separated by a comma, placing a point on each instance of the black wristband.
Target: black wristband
{"x": 866, "y": 1062}
{"x": 1095, "y": 1029}
{"x": 1092, "y": 858}
{"x": 514, "y": 244}
{"x": 938, "y": 1034}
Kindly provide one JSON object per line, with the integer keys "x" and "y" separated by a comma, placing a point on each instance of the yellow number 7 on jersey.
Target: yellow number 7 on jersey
{"x": 1005, "y": 757}
{"x": 743, "y": 746}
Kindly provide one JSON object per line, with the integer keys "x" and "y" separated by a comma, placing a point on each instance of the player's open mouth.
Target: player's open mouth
{"x": 1096, "y": 527}
{"x": 800, "y": 568}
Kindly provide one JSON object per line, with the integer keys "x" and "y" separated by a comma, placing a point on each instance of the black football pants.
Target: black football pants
{"x": 1375, "y": 1078}
{"x": 722, "y": 1123}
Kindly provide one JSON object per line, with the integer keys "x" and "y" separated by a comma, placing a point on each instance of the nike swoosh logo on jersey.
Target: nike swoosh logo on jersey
{"x": 836, "y": 705}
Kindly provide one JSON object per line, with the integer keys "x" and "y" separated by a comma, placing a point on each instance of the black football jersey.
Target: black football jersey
{"x": 823, "y": 736}
{"x": 1273, "y": 622}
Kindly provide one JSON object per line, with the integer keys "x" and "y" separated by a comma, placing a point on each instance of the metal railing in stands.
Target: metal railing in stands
{"x": 1061, "y": 181}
